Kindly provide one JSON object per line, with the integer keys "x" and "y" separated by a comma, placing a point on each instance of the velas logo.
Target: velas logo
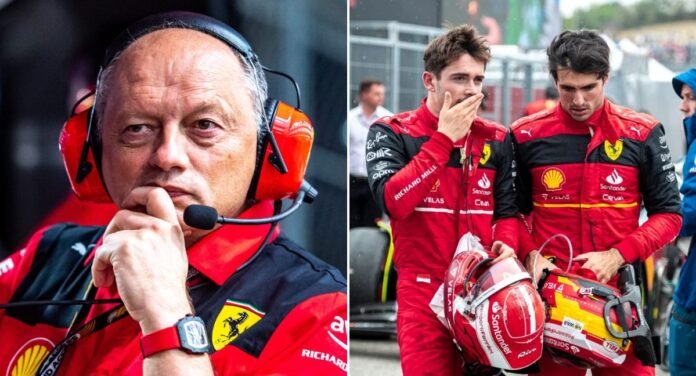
{"x": 614, "y": 178}
{"x": 234, "y": 319}
{"x": 484, "y": 182}
{"x": 28, "y": 358}
{"x": 613, "y": 151}
{"x": 553, "y": 179}
{"x": 485, "y": 154}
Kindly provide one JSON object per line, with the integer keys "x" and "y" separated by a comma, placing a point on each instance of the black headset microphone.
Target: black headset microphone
{"x": 205, "y": 217}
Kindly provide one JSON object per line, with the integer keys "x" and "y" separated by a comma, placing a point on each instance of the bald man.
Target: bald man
{"x": 178, "y": 114}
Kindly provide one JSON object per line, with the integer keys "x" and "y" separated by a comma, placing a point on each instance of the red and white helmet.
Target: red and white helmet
{"x": 493, "y": 311}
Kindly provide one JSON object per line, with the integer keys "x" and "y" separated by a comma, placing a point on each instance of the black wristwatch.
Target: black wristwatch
{"x": 188, "y": 334}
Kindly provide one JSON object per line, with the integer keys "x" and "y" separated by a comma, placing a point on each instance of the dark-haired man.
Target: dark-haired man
{"x": 439, "y": 172}
{"x": 583, "y": 169}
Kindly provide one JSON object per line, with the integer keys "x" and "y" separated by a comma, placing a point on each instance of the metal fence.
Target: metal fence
{"x": 393, "y": 53}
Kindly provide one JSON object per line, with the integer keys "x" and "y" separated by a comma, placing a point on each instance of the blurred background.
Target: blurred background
{"x": 650, "y": 41}
{"x": 49, "y": 53}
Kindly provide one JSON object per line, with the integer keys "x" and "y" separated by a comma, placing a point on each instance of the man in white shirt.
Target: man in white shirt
{"x": 363, "y": 209}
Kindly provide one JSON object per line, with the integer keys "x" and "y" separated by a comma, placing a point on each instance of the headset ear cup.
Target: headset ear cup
{"x": 70, "y": 143}
{"x": 294, "y": 135}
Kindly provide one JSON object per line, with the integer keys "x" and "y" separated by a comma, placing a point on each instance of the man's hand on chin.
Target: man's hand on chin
{"x": 143, "y": 252}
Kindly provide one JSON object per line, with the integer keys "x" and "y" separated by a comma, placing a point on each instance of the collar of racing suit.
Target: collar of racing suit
{"x": 599, "y": 121}
{"x": 223, "y": 251}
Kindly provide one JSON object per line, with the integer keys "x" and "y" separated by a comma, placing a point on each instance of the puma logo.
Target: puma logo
{"x": 81, "y": 249}
{"x": 636, "y": 130}
{"x": 528, "y": 132}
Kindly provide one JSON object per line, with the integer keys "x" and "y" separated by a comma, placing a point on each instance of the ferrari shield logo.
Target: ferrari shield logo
{"x": 613, "y": 151}
{"x": 485, "y": 154}
{"x": 233, "y": 320}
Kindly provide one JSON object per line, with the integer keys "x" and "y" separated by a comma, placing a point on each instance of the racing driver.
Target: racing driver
{"x": 440, "y": 172}
{"x": 583, "y": 169}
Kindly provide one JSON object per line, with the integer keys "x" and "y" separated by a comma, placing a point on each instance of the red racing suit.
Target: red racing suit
{"x": 277, "y": 310}
{"x": 432, "y": 198}
{"x": 587, "y": 180}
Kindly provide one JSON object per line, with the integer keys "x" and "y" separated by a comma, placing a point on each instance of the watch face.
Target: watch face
{"x": 192, "y": 334}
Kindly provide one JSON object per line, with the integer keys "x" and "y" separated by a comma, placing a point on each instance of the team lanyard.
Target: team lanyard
{"x": 54, "y": 359}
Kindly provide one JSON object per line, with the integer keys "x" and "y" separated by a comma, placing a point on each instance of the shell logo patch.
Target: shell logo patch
{"x": 27, "y": 360}
{"x": 233, "y": 320}
{"x": 485, "y": 154}
{"x": 553, "y": 179}
{"x": 613, "y": 151}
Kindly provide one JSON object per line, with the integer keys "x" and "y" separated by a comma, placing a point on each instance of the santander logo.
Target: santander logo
{"x": 484, "y": 182}
{"x": 614, "y": 178}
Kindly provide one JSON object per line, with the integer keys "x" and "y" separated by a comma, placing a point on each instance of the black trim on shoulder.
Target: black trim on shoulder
{"x": 57, "y": 273}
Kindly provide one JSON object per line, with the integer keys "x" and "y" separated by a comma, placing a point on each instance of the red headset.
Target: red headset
{"x": 285, "y": 138}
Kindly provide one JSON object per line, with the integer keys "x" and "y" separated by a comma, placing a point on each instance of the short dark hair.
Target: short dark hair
{"x": 582, "y": 51}
{"x": 366, "y": 84}
{"x": 446, "y": 48}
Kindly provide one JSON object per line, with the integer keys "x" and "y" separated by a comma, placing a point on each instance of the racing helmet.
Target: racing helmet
{"x": 590, "y": 324}
{"x": 494, "y": 314}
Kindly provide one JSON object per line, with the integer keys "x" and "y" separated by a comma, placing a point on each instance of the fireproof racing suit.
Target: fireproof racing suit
{"x": 435, "y": 191}
{"x": 586, "y": 180}
{"x": 279, "y": 310}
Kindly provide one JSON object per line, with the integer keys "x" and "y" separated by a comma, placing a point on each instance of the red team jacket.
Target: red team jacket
{"x": 278, "y": 311}
{"x": 587, "y": 180}
{"x": 431, "y": 197}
